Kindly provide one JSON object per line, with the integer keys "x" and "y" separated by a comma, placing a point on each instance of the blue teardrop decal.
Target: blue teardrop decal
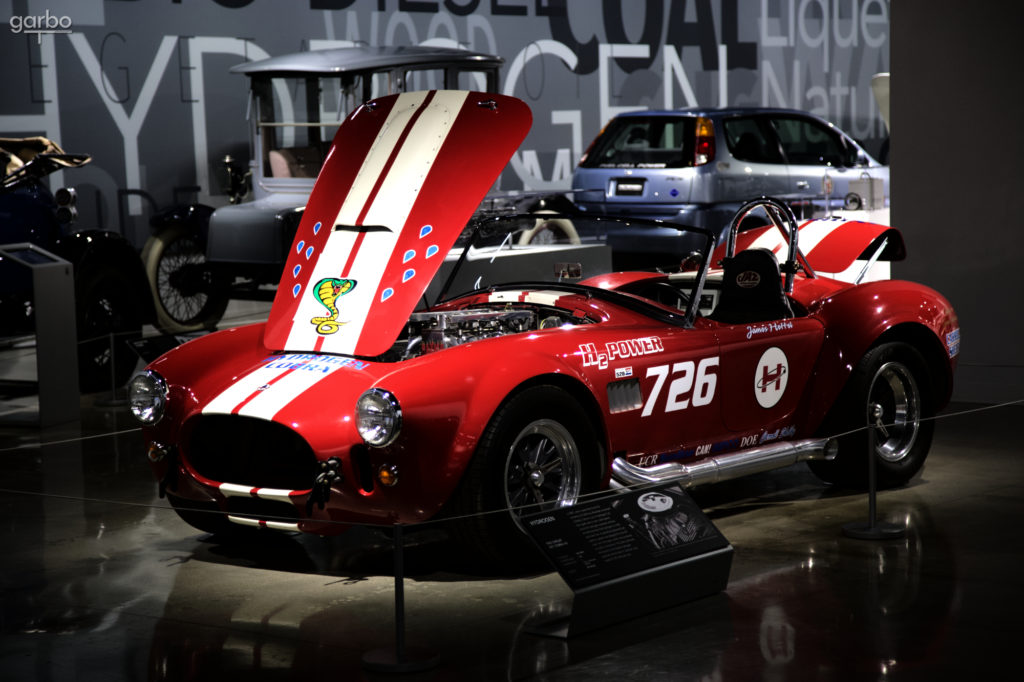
{"x": 298, "y": 249}
{"x": 407, "y": 275}
{"x": 386, "y": 295}
{"x": 316, "y": 228}
{"x": 309, "y": 252}
{"x": 296, "y": 270}
{"x": 296, "y": 289}
{"x": 409, "y": 255}
{"x": 425, "y": 230}
{"x": 431, "y": 250}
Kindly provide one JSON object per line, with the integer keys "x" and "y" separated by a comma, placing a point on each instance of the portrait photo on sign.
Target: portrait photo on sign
{"x": 662, "y": 518}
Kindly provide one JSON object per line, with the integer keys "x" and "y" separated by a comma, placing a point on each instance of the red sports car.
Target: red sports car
{"x": 358, "y": 401}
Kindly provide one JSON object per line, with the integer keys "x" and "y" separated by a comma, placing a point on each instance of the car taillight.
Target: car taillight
{"x": 591, "y": 145}
{"x": 704, "y": 150}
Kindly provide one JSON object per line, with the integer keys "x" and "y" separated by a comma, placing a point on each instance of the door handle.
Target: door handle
{"x": 803, "y": 184}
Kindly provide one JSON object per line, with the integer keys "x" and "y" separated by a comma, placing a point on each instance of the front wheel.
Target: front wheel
{"x": 539, "y": 452}
{"x": 187, "y": 294}
{"x": 893, "y": 376}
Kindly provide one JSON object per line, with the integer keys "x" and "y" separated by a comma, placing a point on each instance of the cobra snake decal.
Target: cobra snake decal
{"x": 327, "y": 291}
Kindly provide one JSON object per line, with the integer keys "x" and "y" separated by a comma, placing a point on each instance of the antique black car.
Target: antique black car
{"x": 110, "y": 289}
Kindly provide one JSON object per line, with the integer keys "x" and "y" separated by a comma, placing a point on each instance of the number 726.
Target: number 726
{"x": 692, "y": 384}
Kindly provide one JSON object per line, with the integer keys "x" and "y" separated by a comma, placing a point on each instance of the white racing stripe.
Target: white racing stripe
{"x": 772, "y": 240}
{"x": 271, "y": 401}
{"x": 256, "y": 523}
{"x": 814, "y": 233}
{"x": 235, "y": 490}
{"x": 519, "y": 296}
{"x": 244, "y": 387}
{"x": 265, "y": 391}
{"x": 390, "y": 208}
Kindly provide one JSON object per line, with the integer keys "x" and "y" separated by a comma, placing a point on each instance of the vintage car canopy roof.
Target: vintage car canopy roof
{"x": 365, "y": 58}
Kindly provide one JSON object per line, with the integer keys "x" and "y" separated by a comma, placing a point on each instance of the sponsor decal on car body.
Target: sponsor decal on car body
{"x": 953, "y": 342}
{"x": 706, "y": 449}
{"x": 748, "y": 279}
{"x": 771, "y": 377}
{"x": 768, "y": 327}
{"x": 619, "y": 350}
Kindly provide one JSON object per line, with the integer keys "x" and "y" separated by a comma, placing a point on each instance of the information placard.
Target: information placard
{"x": 630, "y": 532}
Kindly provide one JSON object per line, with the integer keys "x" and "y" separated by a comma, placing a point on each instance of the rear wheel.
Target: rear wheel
{"x": 895, "y": 377}
{"x": 539, "y": 452}
{"x": 189, "y": 296}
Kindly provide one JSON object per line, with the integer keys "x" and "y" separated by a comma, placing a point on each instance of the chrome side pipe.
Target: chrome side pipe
{"x": 724, "y": 467}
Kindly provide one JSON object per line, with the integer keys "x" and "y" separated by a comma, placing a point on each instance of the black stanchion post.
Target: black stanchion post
{"x": 873, "y": 530}
{"x": 399, "y": 659}
{"x": 113, "y": 400}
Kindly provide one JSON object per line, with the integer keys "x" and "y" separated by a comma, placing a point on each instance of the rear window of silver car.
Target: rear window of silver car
{"x": 644, "y": 142}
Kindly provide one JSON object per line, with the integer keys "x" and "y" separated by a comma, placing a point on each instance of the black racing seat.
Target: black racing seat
{"x": 751, "y": 289}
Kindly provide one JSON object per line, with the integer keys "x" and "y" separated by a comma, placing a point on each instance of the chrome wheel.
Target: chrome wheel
{"x": 895, "y": 390}
{"x": 543, "y": 469}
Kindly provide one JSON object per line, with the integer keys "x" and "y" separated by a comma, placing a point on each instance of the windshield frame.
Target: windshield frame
{"x": 485, "y": 227}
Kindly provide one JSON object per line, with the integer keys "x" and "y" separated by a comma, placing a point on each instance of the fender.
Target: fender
{"x": 468, "y": 413}
{"x": 902, "y": 316}
{"x": 194, "y": 218}
{"x": 831, "y": 246}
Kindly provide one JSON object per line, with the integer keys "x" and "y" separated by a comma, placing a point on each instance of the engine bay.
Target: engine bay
{"x": 431, "y": 331}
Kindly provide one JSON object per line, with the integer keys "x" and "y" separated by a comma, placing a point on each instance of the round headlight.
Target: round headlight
{"x": 378, "y": 417}
{"x": 147, "y": 396}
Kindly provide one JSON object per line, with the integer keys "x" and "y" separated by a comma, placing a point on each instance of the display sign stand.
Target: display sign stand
{"x": 873, "y": 529}
{"x": 53, "y": 295}
{"x": 400, "y": 658}
{"x": 629, "y": 554}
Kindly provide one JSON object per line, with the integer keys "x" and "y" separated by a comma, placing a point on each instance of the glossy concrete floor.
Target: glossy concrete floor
{"x": 101, "y": 581}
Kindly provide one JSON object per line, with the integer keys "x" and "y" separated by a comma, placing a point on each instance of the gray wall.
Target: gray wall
{"x": 958, "y": 176}
{"x": 144, "y": 86}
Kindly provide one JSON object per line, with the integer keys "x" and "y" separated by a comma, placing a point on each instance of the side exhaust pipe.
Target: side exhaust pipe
{"x": 724, "y": 467}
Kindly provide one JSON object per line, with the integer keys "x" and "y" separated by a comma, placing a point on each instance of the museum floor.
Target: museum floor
{"x": 101, "y": 581}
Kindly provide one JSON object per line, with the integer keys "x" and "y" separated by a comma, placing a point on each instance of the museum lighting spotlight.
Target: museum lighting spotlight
{"x": 147, "y": 396}
{"x": 378, "y": 417}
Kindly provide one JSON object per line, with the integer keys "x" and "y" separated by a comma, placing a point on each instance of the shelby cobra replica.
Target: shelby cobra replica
{"x": 360, "y": 402}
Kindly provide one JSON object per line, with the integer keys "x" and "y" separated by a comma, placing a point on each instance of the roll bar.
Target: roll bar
{"x": 780, "y": 215}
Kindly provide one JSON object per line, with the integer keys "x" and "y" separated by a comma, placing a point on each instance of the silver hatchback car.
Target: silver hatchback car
{"x": 697, "y": 166}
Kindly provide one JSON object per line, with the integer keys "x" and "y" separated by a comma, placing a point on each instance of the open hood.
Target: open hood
{"x": 403, "y": 176}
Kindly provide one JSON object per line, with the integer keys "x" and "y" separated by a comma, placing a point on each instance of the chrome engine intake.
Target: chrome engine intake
{"x": 428, "y": 332}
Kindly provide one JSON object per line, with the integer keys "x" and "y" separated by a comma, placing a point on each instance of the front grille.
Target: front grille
{"x": 248, "y": 451}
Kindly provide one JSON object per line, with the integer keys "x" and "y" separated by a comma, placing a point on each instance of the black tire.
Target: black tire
{"x": 538, "y": 452}
{"x": 895, "y": 376}
{"x": 108, "y": 318}
{"x": 187, "y": 294}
